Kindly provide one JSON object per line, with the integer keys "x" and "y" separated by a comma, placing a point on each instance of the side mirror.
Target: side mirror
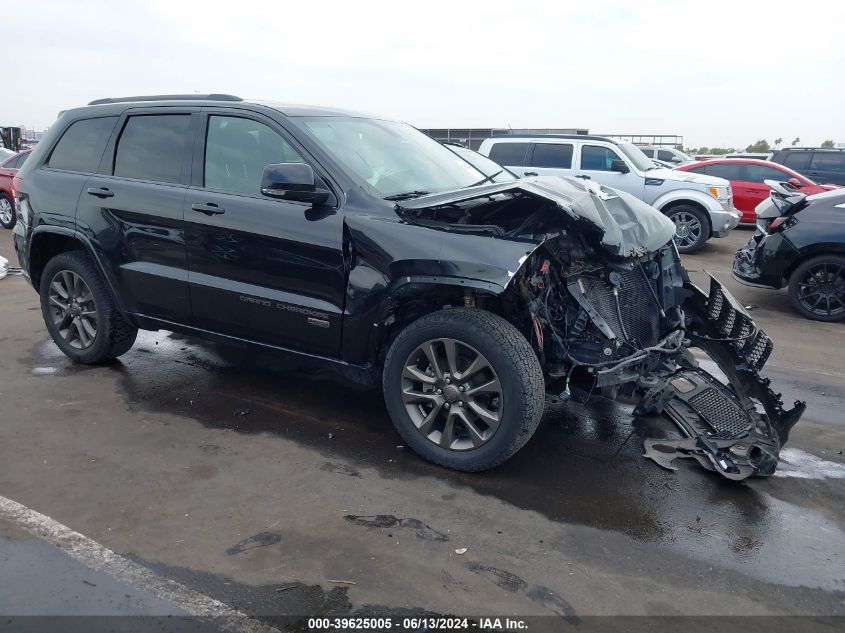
{"x": 619, "y": 165}
{"x": 795, "y": 183}
{"x": 294, "y": 182}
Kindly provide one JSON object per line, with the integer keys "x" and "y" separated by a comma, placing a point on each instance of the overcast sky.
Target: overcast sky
{"x": 718, "y": 73}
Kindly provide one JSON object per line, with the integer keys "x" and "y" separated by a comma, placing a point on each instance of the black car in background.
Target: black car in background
{"x": 824, "y": 165}
{"x": 799, "y": 243}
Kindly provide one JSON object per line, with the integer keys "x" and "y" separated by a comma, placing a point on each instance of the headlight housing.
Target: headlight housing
{"x": 721, "y": 193}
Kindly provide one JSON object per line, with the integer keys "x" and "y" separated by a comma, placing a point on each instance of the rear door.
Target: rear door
{"x": 510, "y": 154}
{"x": 828, "y": 167}
{"x": 754, "y": 183}
{"x": 263, "y": 269}
{"x": 54, "y": 188}
{"x": 549, "y": 159}
{"x": 134, "y": 211}
{"x": 594, "y": 164}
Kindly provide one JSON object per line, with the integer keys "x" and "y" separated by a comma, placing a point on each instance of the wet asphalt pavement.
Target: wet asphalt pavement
{"x": 278, "y": 488}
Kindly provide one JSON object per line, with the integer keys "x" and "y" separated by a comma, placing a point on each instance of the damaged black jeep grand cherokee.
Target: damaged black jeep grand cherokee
{"x": 363, "y": 243}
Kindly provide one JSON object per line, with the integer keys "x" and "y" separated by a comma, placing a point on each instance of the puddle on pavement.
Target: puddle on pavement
{"x": 584, "y": 465}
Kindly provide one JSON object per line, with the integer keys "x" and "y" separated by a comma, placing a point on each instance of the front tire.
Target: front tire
{"x": 817, "y": 288}
{"x": 8, "y": 217}
{"x": 692, "y": 227}
{"x": 464, "y": 388}
{"x": 79, "y": 311}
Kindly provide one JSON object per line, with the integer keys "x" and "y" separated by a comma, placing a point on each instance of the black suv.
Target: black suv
{"x": 824, "y": 165}
{"x": 365, "y": 244}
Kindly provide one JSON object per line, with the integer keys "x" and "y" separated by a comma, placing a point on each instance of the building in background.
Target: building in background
{"x": 472, "y": 137}
{"x": 651, "y": 140}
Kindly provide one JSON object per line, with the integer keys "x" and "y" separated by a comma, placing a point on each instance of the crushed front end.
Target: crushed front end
{"x": 609, "y": 309}
{"x": 639, "y": 331}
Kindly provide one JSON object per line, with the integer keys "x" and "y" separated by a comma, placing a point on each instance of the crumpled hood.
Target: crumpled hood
{"x": 628, "y": 226}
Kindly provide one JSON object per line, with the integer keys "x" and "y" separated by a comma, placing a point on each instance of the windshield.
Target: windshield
{"x": 493, "y": 170}
{"x": 635, "y": 155}
{"x": 393, "y": 159}
{"x": 684, "y": 156}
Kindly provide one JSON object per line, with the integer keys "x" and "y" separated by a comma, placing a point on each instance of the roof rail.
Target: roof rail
{"x": 789, "y": 149}
{"x": 577, "y": 137}
{"x": 191, "y": 97}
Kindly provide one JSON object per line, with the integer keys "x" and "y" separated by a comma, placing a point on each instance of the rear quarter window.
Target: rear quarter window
{"x": 82, "y": 145}
{"x": 828, "y": 161}
{"x": 509, "y": 154}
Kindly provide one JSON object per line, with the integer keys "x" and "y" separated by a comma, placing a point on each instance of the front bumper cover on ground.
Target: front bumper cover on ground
{"x": 736, "y": 429}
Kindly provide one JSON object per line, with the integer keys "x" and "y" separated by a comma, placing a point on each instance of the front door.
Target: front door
{"x": 595, "y": 162}
{"x": 262, "y": 269}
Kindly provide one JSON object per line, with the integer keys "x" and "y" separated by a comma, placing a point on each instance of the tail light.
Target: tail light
{"x": 777, "y": 222}
{"x": 16, "y": 185}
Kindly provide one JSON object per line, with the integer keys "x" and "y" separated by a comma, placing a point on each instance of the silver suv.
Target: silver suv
{"x": 700, "y": 206}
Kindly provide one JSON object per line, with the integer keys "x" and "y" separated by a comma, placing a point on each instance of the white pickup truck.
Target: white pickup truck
{"x": 700, "y": 206}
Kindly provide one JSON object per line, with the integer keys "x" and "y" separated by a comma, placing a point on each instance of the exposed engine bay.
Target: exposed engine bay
{"x": 609, "y": 309}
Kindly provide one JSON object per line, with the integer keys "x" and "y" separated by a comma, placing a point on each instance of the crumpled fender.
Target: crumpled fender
{"x": 403, "y": 252}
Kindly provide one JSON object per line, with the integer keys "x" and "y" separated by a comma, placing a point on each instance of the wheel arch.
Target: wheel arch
{"x": 811, "y": 251}
{"x": 48, "y": 241}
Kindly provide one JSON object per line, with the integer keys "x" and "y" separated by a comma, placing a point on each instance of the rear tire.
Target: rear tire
{"x": 692, "y": 227}
{"x": 817, "y": 288}
{"x": 79, "y": 311}
{"x": 8, "y": 217}
{"x": 492, "y": 388}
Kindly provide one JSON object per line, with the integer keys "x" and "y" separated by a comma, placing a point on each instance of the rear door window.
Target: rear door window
{"x": 153, "y": 147}
{"x": 647, "y": 151}
{"x": 761, "y": 173}
{"x": 552, "y": 155}
{"x": 799, "y": 161}
{"x": 82, "y": 145}
{"x": 509, "y": 154}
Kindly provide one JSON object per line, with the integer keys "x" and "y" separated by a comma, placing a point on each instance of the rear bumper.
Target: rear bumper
{"x": 764, "y": 261}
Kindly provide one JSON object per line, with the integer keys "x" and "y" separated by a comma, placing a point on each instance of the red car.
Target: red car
{"x": 747, "y": 176}
{"x": 8, "y": 169}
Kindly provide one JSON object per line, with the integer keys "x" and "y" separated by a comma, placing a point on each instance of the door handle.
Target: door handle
{"x": 584, "y": 176}
{"x": 530, "y": 173}
{"x": 208, "y": 209}
{"x": 102, "y": 192}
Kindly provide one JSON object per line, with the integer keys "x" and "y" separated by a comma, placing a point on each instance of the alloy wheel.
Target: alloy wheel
{"x": 687, "y": 229}
{"x": 452, "y": 394}
{"x": 73, "y": 310}
{"x": 5, "y": 211}
{"x": 822, "y": 291}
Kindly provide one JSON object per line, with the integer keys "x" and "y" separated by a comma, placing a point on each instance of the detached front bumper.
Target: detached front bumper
{"x": 736, "y": 429}
{"x": 764, "y": 261}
